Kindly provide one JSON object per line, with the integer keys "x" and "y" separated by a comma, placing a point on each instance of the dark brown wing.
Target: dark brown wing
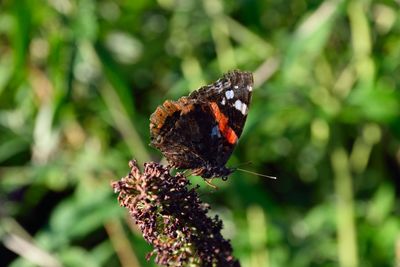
{"x": 181, "y": 130}
{"x": 232, "y": 96}
{"x": 203, "y": 128}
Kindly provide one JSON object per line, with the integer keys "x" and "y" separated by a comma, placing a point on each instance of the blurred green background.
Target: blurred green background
{"x": 79, "y": 79}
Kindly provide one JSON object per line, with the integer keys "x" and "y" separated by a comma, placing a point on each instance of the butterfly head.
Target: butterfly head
{"x": 214, "y": 171}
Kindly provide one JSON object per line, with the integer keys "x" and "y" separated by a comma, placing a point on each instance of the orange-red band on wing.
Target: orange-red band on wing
{"x": 223, "y": 126}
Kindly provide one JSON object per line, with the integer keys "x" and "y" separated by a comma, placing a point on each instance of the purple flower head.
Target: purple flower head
{"x": 172, "y": 218}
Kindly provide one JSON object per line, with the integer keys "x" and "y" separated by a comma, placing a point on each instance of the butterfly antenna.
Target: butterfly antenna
{"x": 258, "y": 174}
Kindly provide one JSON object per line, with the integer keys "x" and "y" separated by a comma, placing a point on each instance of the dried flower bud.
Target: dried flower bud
{"x": 172, "y": 218}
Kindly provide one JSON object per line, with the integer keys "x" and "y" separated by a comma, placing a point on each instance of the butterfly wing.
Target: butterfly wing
{"x": 180, "y": 129}
{"x": 229, "y": 98}
{"x": 203, "y": 128}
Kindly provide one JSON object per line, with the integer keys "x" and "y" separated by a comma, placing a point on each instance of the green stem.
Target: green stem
{"x": 347, "y": 245}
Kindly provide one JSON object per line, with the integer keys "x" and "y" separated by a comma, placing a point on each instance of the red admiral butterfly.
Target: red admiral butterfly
{"x": 200, "y": 131}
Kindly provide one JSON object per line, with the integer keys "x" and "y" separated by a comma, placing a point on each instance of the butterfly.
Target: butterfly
{"x": 201, "y": 130}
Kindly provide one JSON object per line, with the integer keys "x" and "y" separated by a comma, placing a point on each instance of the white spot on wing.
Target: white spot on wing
{"x": 229, "y": 94}
{"x": 236, "y": 87}
{"x": 223, "y": 101}
{"x": 249, "y": 88}
{"x": 238, "y": 104}
{"x": 242, "y": 107}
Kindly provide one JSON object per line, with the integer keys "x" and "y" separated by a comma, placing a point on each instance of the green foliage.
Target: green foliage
{"x": 79, "y": 79}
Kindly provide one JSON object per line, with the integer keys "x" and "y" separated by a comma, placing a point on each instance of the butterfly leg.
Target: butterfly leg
{"x": 209, "y": 182}
{"x": 186, "y": 173}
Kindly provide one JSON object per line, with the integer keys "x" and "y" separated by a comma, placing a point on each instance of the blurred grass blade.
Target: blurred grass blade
{"x": 124, "y": 124}
{"x": 24, "y": 246}
{"x": 220, "y": 33}
{"x": 346, "y": 230}
{"x": 309, "y": 38}
{"x": 121, "y": 244}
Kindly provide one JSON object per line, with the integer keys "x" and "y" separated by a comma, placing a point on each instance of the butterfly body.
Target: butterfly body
{"x": 200, "y": 131}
